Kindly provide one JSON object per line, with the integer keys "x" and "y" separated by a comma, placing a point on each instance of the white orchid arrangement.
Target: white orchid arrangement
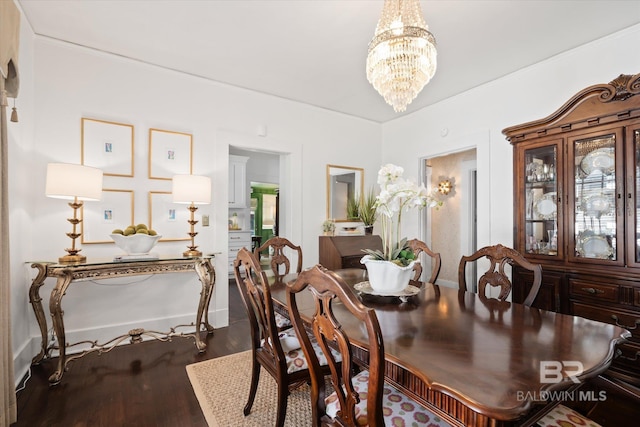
{"x": 398, "y": 195}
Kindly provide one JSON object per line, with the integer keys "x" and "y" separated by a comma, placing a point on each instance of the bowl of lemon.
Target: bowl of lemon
{"x": 135, "y": 239}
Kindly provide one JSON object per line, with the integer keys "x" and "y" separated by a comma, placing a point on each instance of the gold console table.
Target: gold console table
{"x": 69, "y": 273}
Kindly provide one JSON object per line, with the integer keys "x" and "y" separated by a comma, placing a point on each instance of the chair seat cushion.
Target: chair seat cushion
{"x": 294, "y": 354}
{"x": 398, "y": 409}
{"x": 561, "y": 416}
{"x": 282, "y": 321}
{"x": 288, "y": 340}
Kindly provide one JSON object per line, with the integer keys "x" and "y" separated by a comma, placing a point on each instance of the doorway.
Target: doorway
{"x": 263, "y": 172}
{"x": 469, "y": 219}
{"x": 452, "y": 229}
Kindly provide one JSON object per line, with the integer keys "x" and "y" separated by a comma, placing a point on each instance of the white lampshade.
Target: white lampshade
{"x": 67, "y": 181}
{"x": 194, "y": 189}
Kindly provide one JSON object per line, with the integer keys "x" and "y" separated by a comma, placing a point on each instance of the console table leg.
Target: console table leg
{"x": 36, "y": 303}
{"x": 207, "y": 276}
{"x": 55, "y": 307}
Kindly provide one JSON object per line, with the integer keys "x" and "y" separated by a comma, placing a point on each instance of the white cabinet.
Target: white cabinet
{"x": 238, "y": 207}
{"x": 237, "y": 241}
{"x": 238, "y": 188}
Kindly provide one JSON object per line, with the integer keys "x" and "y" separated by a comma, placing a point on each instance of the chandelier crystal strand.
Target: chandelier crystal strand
{"x": 402, "y": 54}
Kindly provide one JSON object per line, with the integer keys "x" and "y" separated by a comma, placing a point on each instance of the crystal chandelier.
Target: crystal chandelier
{"x": 402, "y": 54}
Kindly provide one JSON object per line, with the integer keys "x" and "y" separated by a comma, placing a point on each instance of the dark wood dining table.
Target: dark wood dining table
{"x": 478, "y": 361}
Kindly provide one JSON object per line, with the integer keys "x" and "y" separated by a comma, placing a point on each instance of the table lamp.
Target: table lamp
{"x": 192, "y": 189}
{"x": 77, "y": 183}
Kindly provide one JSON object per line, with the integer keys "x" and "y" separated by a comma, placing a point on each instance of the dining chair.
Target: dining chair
{"x": 358, "y": 398}
{"x": 418, "y": 246}
{"x": 279, "y": 258}
{"x": 276, "y": 350}
{"x": 499, "y": 256}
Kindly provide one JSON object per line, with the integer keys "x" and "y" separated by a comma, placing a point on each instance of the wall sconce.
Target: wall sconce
{"x": 192, "y": 189}
{"x": 77, "y": 183}
{"x": 445, "y": 187}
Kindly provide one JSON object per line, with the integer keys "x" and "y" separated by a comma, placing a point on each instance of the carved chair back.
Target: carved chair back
{"x": 328, "y": 288}
{"x": 418, "y": 246}
{"x": 266, "y": 345}
{"x": 499, "y": 256}
{"x": 256, "y": 295}
{"x": 279, "y": 258}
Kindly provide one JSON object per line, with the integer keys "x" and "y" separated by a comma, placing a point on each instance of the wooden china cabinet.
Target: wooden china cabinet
{"x": 577, "y": 209}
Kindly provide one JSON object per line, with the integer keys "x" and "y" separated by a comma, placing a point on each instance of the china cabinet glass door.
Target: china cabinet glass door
{"x": 633, "y": 196}
{"x": 542, "y": 208}
{"x": 596, "y": 189}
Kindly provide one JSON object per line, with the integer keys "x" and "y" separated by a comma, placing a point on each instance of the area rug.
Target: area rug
{"x": 222, "y": 387}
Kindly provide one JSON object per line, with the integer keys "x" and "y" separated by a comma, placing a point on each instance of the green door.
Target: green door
{"x": 266, "y": 211}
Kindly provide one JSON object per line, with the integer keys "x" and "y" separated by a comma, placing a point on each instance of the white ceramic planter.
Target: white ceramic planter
{"x": 386, "y": 277}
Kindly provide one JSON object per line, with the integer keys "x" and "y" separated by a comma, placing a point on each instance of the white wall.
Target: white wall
{"x": 477, "y": 117}
{"x": 71, "y": 82}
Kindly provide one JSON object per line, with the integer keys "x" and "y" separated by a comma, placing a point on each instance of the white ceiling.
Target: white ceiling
{"x": 314, "y": 51}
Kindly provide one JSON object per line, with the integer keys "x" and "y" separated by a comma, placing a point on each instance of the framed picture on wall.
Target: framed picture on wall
{"x": 107, "y": 146}
{"x": 167, "y": 218}
{"x": 170, "y": 153}
{"x": 99, "y": 219}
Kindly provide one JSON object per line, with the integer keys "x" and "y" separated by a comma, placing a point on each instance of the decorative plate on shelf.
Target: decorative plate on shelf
{"x": 597, "y": 205}
{"x": 595, "y": 247}
{"x": 545, "y": 207}
{"x": 601, "y": 159}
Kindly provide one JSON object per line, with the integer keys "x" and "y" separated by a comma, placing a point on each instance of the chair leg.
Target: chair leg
{"x": 283, "y": 395}
{"x": 255, "y": 378}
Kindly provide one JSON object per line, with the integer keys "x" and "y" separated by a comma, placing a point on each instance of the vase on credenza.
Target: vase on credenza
{"x": 387, "y": 277}
{"x": 368, "y": 230}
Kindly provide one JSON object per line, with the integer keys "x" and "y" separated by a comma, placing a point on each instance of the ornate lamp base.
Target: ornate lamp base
{"x": 72, "y": 256}
{"x": 72, "y": 259}
{"x": 191, "y": 253}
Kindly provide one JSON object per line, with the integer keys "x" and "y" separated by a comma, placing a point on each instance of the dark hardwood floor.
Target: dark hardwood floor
{"x": 142, "y": 384}
{"x": 146, "y": 384}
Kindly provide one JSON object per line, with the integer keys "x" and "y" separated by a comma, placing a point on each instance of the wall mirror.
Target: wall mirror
{"x": 343, "y": 183}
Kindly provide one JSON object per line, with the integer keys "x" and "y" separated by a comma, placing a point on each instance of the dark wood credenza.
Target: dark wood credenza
{"x": 346, "y": 251}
